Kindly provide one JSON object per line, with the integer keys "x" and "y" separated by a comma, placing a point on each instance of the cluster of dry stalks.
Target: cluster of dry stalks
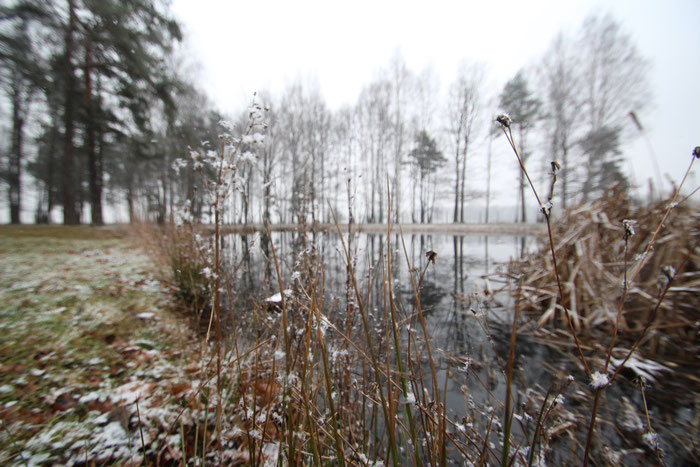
{"x": 590, "y": 247}
{"x": 603, "y": 364}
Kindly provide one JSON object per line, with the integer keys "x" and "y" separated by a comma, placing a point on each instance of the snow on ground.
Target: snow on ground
{"x": 91, "y": 360}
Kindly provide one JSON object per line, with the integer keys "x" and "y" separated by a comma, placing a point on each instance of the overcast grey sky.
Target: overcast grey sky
{"x": 244, "y": 46}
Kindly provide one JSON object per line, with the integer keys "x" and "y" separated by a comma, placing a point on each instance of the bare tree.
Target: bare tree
{"x": 615, "y": 77}
{"x": 425, "y": 102}
{"x": 304, "y": 126}
{"x": 401, "y": 82}
{"x": 561, "y": 105}
{"x": 375, "y": 137}
{"x": 464, "y": 106}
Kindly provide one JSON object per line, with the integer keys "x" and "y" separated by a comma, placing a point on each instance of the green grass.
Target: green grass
{"x": 55, "y": 232}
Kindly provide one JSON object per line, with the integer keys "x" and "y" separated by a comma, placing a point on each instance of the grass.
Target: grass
{"x": 84, "y": 326}
{"x": 53, "y": 233}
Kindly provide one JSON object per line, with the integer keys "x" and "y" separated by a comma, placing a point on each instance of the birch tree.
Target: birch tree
{"x": 615, "y": 82}
{"x": 561, "y": 105}
{"x": 464, "y": 108}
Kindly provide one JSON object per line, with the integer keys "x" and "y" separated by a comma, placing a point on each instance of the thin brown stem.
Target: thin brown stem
{"x": 645, "y": 255}
{"x": 591, "y": 426}
{"x": 511, "y": 141}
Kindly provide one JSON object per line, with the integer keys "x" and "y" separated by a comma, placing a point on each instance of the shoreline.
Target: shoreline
{"x": 437, "y": 229}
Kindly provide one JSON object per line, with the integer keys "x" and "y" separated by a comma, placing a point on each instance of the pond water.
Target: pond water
{"x": 465, "y": 299}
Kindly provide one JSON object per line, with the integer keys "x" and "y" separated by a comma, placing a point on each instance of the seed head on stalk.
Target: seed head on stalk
{"x": 504, "y": 119}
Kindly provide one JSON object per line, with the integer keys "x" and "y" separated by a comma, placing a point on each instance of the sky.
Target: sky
{"x": 239, "y": 47}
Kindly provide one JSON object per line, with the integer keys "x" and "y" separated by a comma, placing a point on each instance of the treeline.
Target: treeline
{"x": 97, "y": 112}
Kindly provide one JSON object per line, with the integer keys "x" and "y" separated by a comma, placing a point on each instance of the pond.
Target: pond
{"x": 465, "y": 298}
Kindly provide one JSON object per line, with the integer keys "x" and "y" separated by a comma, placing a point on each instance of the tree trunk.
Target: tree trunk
{"x": 94, "y": 172}
{"x": 463, "y": 178}
{"x": 523, "y": 215}
{"x": 422, "y": 198}
{"x": 563, "y": 175}
{"x": 488, "y": 180}
{"x": 523, "y": 155}
{"x": 455, "y": 217}
{"x": 130, "y": 204}
{"x": 70, "y": 214}
{"x": 15, "y": 164}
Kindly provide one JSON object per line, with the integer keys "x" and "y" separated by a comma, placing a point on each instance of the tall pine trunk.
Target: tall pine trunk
{"x": 70, "y": 214}
{"x": 15, "y": 165}
{"x": 94, "y": 166}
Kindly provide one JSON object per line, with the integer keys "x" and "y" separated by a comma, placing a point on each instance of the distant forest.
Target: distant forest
{"x": 97, "y": 112}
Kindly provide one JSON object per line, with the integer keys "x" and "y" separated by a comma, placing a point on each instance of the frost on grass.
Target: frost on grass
{"x": 365, "y": 461}
{"x": 651, "y": 439}
{"x": 546, "y": 209}
{"x": 599, "y": 380}
{"x": 92, "y": 355}
{"x": 410, "y": 398}
{"x": 646, "y": 368}
{"x": 67, "y": 442}
{"x": 277, "y": 298}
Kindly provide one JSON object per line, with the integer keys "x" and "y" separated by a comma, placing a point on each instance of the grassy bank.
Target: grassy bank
{"x": 87, "y": 331}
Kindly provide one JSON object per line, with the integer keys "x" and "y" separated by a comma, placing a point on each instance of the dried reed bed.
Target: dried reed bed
{"x": 590, "y": 248}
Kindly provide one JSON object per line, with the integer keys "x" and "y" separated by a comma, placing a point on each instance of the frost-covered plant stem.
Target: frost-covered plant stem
{"x": 328, "y": 382}
{"x": 651, "y": 437}
{"x": 505, "y": 126}
{"x": 440, "y": 435}
{"x": 14, "y": 443}
{"x": 223, "y": 164}
{"x": 143, "y": 444}
{"x": 655, "y": 311}
{"x": 217, "y": 292}
{"x": 629, "y": 231}
{"x": 405, "y": 387}
{"x": 508, "y": 416}
{"x": 542, "y": 415}
{"x": 307, "y": 374}
{"x": 287, "y": 347}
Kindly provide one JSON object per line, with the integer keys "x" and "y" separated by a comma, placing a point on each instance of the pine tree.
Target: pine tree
{"x": 427, "y": 158}
{"x": 524, "y": 110}
{"x": 20, "y": 78}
